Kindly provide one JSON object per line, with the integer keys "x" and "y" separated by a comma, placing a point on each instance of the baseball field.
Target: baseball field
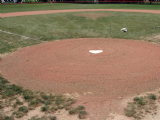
{"x": 47, "y": 48}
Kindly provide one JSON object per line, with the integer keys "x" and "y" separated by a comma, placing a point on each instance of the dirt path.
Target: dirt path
{"x": 124, "y": 67}
{"x": 73, "y": 10}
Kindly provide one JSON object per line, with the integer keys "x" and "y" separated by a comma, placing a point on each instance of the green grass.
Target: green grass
{"x": 10, "y": 94}
{"x": 50, "y": 27}
{"x": 9, "y": 43}
{"x": 59, "y": 6}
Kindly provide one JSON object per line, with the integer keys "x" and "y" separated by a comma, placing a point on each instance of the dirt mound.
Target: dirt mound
{"x": 124, "y": 67}
{"x": 68, "y": 66}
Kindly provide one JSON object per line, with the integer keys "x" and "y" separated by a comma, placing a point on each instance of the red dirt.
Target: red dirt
{"x": 124, "y": 67}
{"x": 68, "y": 66}
{"x": 73, "y": 10}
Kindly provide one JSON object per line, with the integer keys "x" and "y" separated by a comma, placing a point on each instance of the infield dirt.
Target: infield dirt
{"x": 73, "y": 10}
{"x": 124, "y": 67}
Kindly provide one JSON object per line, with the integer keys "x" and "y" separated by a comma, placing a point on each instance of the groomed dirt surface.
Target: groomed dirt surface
{"x": 67, "y": 66}
{"x": 13, "y": 14}
{"x": 124, "y": 67}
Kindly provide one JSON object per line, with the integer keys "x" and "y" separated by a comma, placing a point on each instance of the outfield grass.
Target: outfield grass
{"x": 68, "y": 25}
{"x": 59, "y": 6}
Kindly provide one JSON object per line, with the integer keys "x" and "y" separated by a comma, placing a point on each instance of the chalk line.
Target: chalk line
{"x": 15, "y": 34}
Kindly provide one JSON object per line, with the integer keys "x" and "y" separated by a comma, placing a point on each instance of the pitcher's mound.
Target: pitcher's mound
{"x": 122, "y": 67}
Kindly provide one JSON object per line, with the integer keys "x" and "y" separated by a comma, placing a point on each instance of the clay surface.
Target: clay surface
{"x": 124, "y": 67}
{"x": 13, "y": 14}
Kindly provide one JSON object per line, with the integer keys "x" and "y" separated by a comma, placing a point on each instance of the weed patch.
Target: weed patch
{"x": 23, "y": 109}
{"x": 141, "y": 106}
{"x": 45, "y": 108}
{"x": 24, "y": 101}
{"x": 82, "y": 114}
{"x": 78, "y": 110}
{"x": 39, "y": 118}
{"x": 28, "y": 95}
{"x": 52, "y": 118}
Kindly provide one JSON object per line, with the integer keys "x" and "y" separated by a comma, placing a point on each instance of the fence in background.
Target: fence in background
{"x": 82, "y": 1}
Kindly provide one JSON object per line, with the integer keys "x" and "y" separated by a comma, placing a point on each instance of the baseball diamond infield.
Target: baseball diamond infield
{"x": 123, "y": 67}
{"x": 67, "y": 66}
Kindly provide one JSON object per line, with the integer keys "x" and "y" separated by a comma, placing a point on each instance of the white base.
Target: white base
{"x": 95, "y": 51}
